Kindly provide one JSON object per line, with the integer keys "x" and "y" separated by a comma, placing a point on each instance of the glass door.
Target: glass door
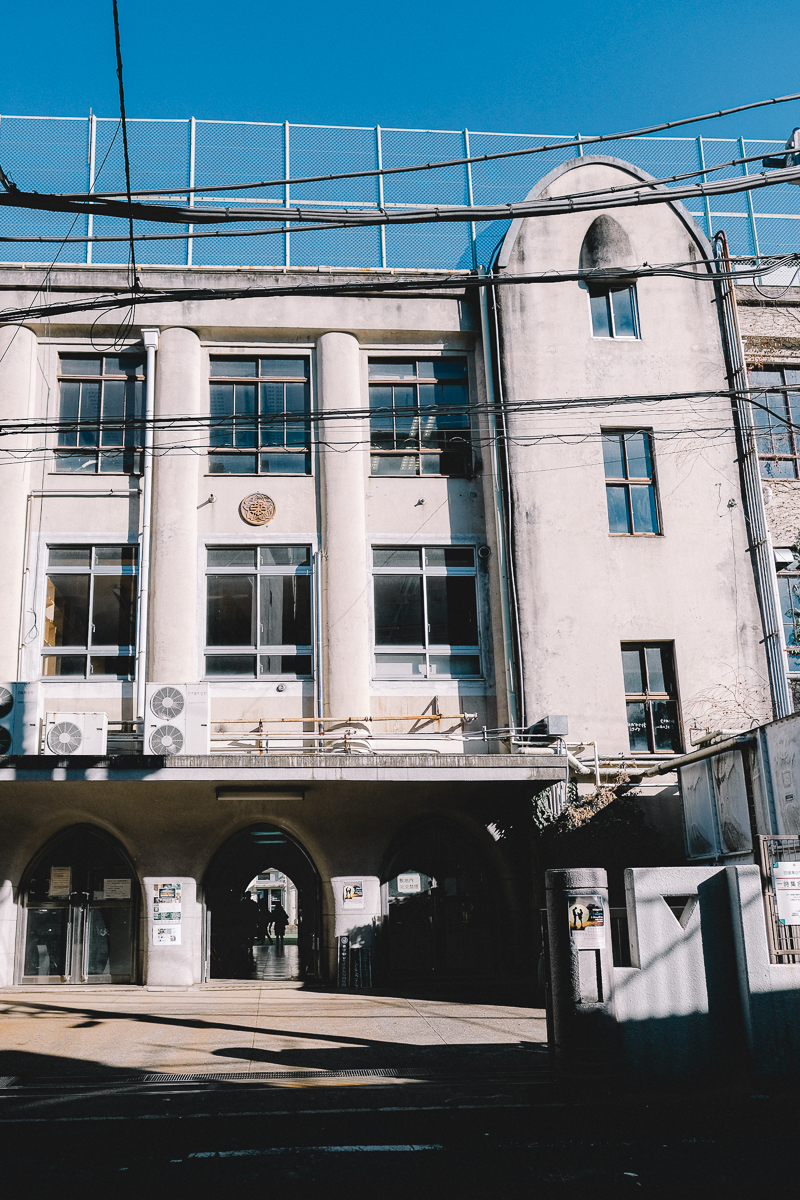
{"x": 80, "y": 913}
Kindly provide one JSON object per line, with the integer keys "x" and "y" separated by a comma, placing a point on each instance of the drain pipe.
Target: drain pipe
{"x": 757, "y": 530}
{"x": 150, "y": 339}
{"x": 499, "y": 511}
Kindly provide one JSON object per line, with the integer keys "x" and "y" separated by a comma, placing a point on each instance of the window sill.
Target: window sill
{"x": 635, "y": 535}
{"x": 243, "y": 475}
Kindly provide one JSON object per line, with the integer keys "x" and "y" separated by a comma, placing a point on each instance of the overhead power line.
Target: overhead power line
{"x": 572, "y": 143}
{"x": 414, "y": 287}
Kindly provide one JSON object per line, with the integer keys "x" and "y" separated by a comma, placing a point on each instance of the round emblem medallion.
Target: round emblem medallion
{"x": 257, "y": 509}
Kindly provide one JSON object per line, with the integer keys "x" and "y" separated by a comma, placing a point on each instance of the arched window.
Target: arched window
{"x": 613, "y": 306}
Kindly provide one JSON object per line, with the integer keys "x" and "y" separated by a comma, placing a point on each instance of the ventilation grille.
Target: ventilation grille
{"x": 6, "y": 702}
{"x": 167, "y": 703}
{"x": 166, "y": 740}
{"x": 64, "y": 738}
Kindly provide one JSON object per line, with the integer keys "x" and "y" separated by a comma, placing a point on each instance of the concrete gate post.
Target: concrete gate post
{"x": 18, "y": 348}
{"x": 357, "y": 918}
{"x": 344, "y": 457}
{"x": 581, "y": 969}
{"x": 180, "y": 391}
{"x": 174, "y": 945}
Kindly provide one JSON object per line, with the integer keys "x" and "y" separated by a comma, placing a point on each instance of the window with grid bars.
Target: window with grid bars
{"x": 259, "y": 612}
{"x": 630, "y": 482}
{"x": 100, "y": 411}
{"x": 426, "y": 612}
{"x": 651, "y": 697}
{"x": 419, "y": 417}
{"x": 614, "y": 311}
{"x": 260, "y": 416}
{"x": 90, "y": 611}
{"x": 778, "y": 443}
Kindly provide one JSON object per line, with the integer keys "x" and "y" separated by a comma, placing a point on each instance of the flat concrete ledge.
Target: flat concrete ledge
{"x": 539, "y": 768}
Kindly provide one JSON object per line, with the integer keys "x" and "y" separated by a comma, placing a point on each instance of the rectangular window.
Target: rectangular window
{"x": 259, "y": 612}
{"x": 90, "y": 612}
{"x": 100, "y": 413}
{"x": 426, "y": 612}
{"x": 614, "y": 312}
{"x": 789, "y": 592}
{"x": 630, "y": 482}
{"x": 260, "y": 416}
{"x": 419, "y": 417}
{"x": 651, "y": 697}
{"x": 777, "y": 441}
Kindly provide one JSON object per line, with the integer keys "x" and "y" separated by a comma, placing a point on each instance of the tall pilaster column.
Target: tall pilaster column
{"x": 180, "y": 391}
{"x": 346, "y": 576}
{"x": 17, "y": 389}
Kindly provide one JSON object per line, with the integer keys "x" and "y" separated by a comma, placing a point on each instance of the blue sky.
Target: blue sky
{"x": 520, "y": 67}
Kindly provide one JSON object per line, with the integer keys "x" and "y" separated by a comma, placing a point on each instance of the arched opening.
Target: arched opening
{"x": 80, "y": 898}
{"x": 246, "y": 937}
{"x": 612, "y": 305}
{"x": 442, "y": 907}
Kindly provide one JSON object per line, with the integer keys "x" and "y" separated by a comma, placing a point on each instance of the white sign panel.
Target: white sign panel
{"x": 60, "y": 881}
{"x": 166, "y": 902}
{"x": 786, "y": 880}
{"x": 409, "y": 883}
{"x": 116, "y": 889}
{"x": 353, "y": 894}
{"x": 166, "y": 935}
{"x": 587, "y": 922}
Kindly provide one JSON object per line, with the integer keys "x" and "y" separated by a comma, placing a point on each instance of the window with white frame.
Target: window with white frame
{"x": 258, "y": 612}
{"x": 100, "y": 427}
{"x": 426, "y": 612}
{"x": 260, "y": 416}
{"x": 90, "y": 612}
{"x": 614, "y": 311}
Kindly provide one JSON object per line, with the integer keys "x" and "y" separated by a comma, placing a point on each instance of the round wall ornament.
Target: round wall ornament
{"x": 257, "y": 509}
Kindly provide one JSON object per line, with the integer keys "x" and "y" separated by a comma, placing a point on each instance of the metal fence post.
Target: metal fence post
{"x": 92, "y": 147}
{"x": 706, "y": 205}
{"x": 751, "y": 216}
{"x": 192, "y": 143}
{"x": 379, "y": 162}
{"x": 579, "y": 147}
{"x": 472, "y": 233}
{"x": 286, "y": 189}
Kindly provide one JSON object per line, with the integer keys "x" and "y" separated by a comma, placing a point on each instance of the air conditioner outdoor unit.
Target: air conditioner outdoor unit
{"x": 20, "y": 718}
{"x": 177, "y": 718}
{"x": 76, "y": 733}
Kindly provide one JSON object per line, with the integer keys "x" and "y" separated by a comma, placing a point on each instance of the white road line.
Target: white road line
{"x": 309, "y": 1150}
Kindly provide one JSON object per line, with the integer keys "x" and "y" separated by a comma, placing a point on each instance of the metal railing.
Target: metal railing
{"x": 79, "y": 154}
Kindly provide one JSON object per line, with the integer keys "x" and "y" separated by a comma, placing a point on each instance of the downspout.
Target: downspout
{"x": 150, "y": 339}
{"x": 499, "y": 511}
{"x": 755, "y": 517}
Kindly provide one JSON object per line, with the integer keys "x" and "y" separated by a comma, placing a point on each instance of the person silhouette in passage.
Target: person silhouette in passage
{"x": 280, "y": 919}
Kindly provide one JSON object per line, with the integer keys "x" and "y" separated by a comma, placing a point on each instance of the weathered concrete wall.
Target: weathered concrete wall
{"x": 17, "y": 390}
{"x": 582, "y": 590}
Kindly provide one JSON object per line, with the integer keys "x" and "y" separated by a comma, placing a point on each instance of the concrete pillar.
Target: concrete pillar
{"x": 180, "y": 963}
{"x": 181, "y": 389}
{"x": 344, "y": 457}
{"x": 8, "y": 932}
{"x": 581, "y": 971}
{"x": 18, "y": 347}
{"x": 357, "y": 918}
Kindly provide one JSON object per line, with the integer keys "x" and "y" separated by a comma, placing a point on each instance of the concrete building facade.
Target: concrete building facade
{"x": 371, "y": 542}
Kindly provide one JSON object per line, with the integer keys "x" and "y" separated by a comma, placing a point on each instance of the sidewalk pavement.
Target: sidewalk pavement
{"x": 247, "y": 1027}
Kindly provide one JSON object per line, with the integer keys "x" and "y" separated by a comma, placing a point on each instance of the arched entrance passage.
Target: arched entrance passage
{"x": 233, "y": 925}
{"x": 80, "y": 899}
{"x": 444, "y": 911}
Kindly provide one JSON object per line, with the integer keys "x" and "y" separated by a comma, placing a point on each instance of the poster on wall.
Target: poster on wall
{"x": 166, "y": 902}
{"x": 116, "y": 889}
{"x": 353, "y": 894}
{"x": 166, "y": 935}
{"x": 587, "y": 922}
{"x": 60, "y": 881}
{"x": 786, "y": 881}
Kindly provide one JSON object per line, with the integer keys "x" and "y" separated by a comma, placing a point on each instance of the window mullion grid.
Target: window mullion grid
{"x": 610, "y": 307}
{"x": 425, "y": 627}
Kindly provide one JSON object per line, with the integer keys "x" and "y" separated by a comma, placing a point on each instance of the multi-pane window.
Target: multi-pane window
{"x": 630, "y": 482}
{"x": 426, "y": 612}
{"x": 419, "y": 417}
{"x": 90, "y": 611}
{"x": 789, "y": 593}
{"x": 259, "y": 612}
{"x": 101, "y": 406}
{"x": 777, "y": 441}
{"x": 613, "y": 310}
{"x": 651, "y": 697}
{"x": 260, "y": 416}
